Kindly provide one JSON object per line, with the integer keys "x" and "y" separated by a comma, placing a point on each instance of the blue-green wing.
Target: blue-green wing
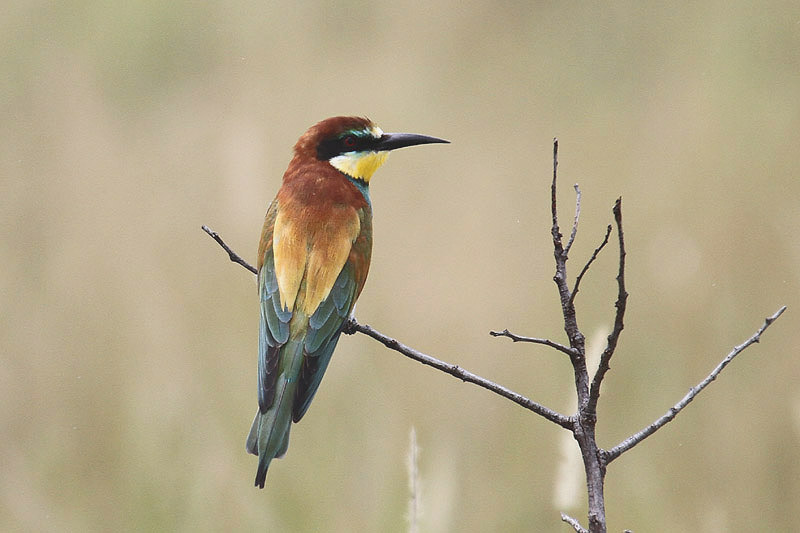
{"x": 273, "y": 332}
{"x": 324, "y": 329}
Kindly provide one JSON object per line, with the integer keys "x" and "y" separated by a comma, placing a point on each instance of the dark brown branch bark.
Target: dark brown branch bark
{"x": 638, "y": 437}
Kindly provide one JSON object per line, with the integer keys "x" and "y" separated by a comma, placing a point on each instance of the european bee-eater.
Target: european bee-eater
{"x": 313, "y": 260}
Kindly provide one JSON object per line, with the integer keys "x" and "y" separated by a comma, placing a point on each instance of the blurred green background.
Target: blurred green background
{"x": 128, "y": 341}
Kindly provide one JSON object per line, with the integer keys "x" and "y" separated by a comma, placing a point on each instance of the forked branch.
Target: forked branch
{"x": 595, "y": 459}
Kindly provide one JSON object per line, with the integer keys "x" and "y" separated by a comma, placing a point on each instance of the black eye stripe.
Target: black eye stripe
{"x": 348, "y": 142}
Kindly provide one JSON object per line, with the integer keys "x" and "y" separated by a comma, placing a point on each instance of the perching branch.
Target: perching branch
{"x": 352, "y": 326}
{"x": 638, "y": 437}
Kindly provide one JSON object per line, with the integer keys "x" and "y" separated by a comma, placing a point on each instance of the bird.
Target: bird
{"x": 313, "y": 258}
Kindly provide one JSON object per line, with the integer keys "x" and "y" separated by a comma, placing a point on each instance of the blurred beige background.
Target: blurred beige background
{"x": 128, "y": 341}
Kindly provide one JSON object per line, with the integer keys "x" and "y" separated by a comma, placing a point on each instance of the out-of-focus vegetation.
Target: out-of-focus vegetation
{"x": 128, "y": 341}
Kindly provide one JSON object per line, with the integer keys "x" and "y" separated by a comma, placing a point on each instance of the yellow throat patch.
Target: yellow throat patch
{"x": 360, "y": 165}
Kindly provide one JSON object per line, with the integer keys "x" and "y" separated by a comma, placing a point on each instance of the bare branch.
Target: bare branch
{"x": 622, "y": 299}
{"x": 574, "y": 523}
{"x": 574, "y": 231}
{"x": 588, "y": 264}
{"x": 635, "y": 439}
{"x": 458, "y": 372}
{"x": 547, "y": 342}
{"x": 231, "y": 254}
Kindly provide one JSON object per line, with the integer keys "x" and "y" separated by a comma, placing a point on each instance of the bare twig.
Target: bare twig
{"x": 588, "y": 264}
{"x": 553, "y": 205}
{"x": 231, "y": 254}
{"x": 352, "y": 326}
{"x": 535, "y": 340}
{"x": 574, "y": 231}
{"x": 638, "y": 437}
{"x": 574, "y": 523}
{"x": 622, "y": 299}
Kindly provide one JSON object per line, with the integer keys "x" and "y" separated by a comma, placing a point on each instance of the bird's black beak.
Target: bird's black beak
{"x": 393, "y": 141}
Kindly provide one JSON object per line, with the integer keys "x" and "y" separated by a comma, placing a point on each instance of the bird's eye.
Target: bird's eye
{"x": 349, "y": 141}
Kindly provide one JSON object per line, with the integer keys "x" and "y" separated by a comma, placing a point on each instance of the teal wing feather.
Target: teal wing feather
{"x": 273, "y": 332}
{"x": 324, "y": 329}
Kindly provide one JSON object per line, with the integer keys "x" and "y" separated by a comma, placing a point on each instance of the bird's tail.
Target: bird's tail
{"x": 269, "y": 439}
{"x": 269, "y": 434}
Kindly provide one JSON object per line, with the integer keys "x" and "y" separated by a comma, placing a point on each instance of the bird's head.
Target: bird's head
{"x": 355, "y": 146}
